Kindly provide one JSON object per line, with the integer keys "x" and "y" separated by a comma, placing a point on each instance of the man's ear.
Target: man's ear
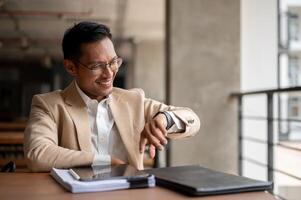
{"x": 70, "y": 67}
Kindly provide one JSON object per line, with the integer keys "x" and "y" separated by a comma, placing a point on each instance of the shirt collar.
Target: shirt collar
{"x": 88, "y": 101}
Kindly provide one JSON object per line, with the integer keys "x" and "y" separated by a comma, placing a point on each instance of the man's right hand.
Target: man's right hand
{"x": 116, "y": 161}
{"x": 153, "y": 134}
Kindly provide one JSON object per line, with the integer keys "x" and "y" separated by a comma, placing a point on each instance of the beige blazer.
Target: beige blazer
{"x": 58, "y": 133}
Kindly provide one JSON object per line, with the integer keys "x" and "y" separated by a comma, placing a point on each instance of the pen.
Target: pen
{"x": 74, "y": 175}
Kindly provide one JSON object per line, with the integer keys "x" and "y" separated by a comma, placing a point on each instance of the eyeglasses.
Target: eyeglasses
{"x": 100, "y": 67}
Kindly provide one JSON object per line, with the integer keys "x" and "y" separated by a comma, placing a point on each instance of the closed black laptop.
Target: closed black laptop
{"x": 199, "y": 181}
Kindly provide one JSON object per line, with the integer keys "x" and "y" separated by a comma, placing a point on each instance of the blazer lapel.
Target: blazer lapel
{"x": 120, "y": 112}
{"x": 77, "y": 110}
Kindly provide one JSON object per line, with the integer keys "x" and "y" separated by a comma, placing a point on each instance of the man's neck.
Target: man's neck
{"x": 86, "y": 96}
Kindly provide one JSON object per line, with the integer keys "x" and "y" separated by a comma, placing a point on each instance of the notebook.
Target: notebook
{"x": 199, "y": 181}
{"x": 102, "y": 182}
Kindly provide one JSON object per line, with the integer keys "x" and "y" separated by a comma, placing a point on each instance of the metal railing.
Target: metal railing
{"x": 270, "y": 131}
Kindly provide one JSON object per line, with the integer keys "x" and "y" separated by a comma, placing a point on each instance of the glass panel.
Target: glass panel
{"x": 290, "y": 117}
{"x": 255, "y": 105}
{"x": 254, "y": 171}
{"x": 288, "y": 160}
{"x": 256, "y": 129}
{"x": 255, "y": 151}
{"x": 287, "y": 187}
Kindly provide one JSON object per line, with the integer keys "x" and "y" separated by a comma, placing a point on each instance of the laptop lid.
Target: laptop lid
{"x": 199, "y": 181}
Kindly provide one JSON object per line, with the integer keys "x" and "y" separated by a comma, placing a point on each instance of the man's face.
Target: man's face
{"x": 96, "y": 84}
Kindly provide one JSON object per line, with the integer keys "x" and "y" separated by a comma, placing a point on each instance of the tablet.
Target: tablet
{"x": 108, "y": 172}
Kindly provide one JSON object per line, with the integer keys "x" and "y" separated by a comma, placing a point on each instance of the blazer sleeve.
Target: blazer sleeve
{"x": 186, "y": 115}
{"x": 41, "y": 142}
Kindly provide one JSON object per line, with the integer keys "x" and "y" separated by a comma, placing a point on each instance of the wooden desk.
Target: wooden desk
{"x": 38, "y": 186}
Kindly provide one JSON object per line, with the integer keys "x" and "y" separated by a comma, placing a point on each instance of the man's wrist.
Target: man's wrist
{"x": 169, "y": 120}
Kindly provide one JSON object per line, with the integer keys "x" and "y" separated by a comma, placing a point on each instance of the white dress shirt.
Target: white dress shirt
{"x": 106, "y": 140}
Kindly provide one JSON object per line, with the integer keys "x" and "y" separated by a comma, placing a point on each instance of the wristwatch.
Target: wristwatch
{"x": 170, "y": 121}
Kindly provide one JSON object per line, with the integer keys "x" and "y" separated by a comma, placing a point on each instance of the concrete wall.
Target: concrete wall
{"x": 204, "y": 55}
{"x": 149, "y": 71}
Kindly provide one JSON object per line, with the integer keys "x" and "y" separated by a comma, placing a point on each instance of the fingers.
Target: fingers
{"x": 152, "y": 136}
{"x": 142, "y": 144}
{"x": 158, "y": 133}
{"x": 152, "y": 151}
{"x": 163, "y": 130}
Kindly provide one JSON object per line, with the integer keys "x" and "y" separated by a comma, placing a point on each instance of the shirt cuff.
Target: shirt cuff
{"x": 178, "y": 126}
{"x": 101, "y": 160}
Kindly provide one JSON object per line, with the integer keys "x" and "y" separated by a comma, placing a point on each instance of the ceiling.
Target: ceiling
{"x": 34, "y": 28}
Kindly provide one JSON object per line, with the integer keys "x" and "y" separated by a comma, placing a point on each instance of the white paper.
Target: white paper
{"x": 75, "y": 186}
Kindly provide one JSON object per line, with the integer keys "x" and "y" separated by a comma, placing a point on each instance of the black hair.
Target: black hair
{"x": 83, "y": 32}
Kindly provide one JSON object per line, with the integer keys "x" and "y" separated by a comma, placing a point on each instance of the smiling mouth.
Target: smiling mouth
{"x": 106, "y": 83}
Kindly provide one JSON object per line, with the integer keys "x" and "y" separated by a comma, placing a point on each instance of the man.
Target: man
{"x": 91, "y": 122}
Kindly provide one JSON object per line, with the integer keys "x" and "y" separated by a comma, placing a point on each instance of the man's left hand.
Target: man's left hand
{"x": 154, "y": 134}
